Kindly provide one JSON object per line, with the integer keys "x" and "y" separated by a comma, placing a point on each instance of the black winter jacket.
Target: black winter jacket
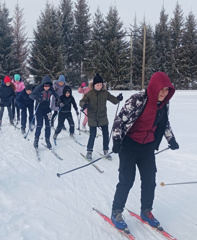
{"x": 23, "y": 100}
{"x": 67, "y": 101}
{"x": 6, "y": 94}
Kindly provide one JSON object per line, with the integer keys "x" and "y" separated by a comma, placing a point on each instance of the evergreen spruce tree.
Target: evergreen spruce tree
{"x": 137, "y": 49}
{"x": 176, "y": 51}
{"x": 82, "y": 36}
{"x": 94, "y": 59}
{"x": 116, "y": 58}
{"x": 20, "y": 49}
{"x": 6, "y": 41}
{"x": 162, "y": 42}
{"x": 67, "y": 25}
{"x": 47, "y": 49}
{"x": 189, "y": 60}
{"x": 150, "y": 59}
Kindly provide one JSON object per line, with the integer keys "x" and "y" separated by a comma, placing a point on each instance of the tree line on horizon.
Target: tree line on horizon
{"x": 69, "y": 41}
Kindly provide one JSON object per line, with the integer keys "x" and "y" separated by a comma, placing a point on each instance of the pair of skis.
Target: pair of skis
{"x": 51, "y": 150}
{"x": 94, "y": 165}
{"x": 126, "y": 231}
{"x": 55, "y": 142}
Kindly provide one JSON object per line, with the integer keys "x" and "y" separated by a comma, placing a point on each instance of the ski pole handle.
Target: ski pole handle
{"x": 165, "y": 184}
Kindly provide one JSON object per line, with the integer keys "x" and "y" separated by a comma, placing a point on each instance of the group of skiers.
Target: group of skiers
{"x": 137, "y": 129}
{"x": 9, "y": 91}
{"x": 93, "y": 104}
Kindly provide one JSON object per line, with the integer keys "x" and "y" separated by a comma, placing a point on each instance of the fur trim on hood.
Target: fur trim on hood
{"x": 92, "y": 88}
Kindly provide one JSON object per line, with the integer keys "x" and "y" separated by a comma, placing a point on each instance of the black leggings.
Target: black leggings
{"x": 9, "y": 112}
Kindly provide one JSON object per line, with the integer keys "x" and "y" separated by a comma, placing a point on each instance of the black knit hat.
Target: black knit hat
{"x": 97, "y": 79}
{"x": 29, "y": 87}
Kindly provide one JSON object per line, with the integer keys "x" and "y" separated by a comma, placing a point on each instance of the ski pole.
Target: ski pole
{"x": 165, "y": 184}
{"x": 72, "y": 170}
{"x": 79, "y": 120}
{"x": 87, "y": 116}
{"x": 114, "y": 120}
{"x": 57, "y": 114}
{"x": 32, "y": 121}
{"x": 162, "y": 150}
{"x": 83, "y": 112}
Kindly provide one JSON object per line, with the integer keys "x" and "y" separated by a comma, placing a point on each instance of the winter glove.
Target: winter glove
{"x": 84, "y": 106}
{"x": 57, "y": 102}
{"x": 116, "y": 146}
{"x": 120, "y": 97}
{"x": 77, "y": 112}
{"x": 83, "y": 84}
{"x": 39, "y": 100}
{"x": 173, "y": 144}
{"x": 61, "y": 105}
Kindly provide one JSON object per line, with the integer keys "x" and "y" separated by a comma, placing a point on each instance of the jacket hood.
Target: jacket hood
{"x": 91, "y": 86}
{"x": 158, "y": 81}
{"x": 67, "y": 89}
{"x": 46, "y": 79}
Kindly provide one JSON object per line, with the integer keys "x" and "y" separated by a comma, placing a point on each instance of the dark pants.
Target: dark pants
{"x": 24, "y": 115}
{"x": 142, "y": 155}
{"x": 9, "y": 112}
{"x": 92, "y": 137}
{"x": 14, "y": 105}
{"x": 40, "y": 115}
{"x": 61, "y": 118}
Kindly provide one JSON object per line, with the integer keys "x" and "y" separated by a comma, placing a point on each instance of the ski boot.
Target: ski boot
{"x": 36, "y": 142}
{"x": 12, "y": 122}
{"x": 108, "y": 156}
{"x": 48, "y": 143}
{"x": 0, "y": 123}
{"x": 72, "y": 135}
{"x": 117, "y": 219}
{"x": 89, "y": 155}
{"x": 147, "y": 216}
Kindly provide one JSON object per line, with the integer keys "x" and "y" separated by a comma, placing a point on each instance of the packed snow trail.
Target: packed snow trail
{"x": 35, "y": 204}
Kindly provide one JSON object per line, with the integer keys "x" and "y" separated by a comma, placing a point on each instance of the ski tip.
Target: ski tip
{"x": 58, "y": 175}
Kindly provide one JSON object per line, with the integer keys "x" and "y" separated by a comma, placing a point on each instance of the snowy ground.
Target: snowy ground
{"x": 37, "y": 205}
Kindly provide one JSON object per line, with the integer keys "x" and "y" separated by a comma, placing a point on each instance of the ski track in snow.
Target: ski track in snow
{"x": 36, "y": 204}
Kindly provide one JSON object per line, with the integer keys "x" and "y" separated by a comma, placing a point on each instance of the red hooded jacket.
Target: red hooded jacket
{"x": 143, "y": 129}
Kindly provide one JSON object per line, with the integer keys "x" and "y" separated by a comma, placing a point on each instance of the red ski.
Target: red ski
{"x": 159, "y": 229}
{"x": 125, "y": 232}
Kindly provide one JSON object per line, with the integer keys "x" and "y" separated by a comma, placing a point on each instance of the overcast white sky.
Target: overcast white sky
{"x": 127, "y": 9}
